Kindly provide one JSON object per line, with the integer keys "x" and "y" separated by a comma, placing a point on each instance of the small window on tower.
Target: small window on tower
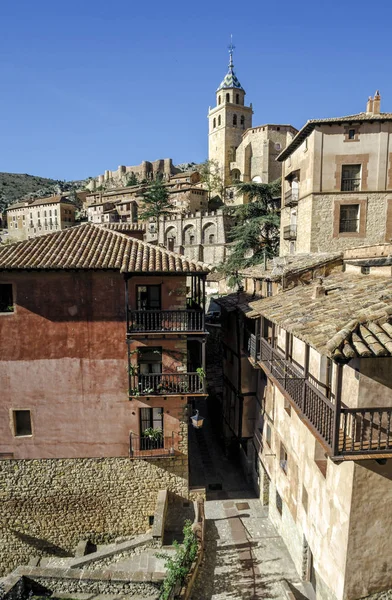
{"x": 234, "y": 120}
{"x": 237, "y": 98}
{"x": 219, "y": 99}
{"x": 242, "y": 121}
{"x": 214, "y": 123}
{"x": 219, "y": 120}
{"x": 227, "y": 97}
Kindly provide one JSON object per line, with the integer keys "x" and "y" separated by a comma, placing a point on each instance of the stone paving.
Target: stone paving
{"x": 245, "y": 558}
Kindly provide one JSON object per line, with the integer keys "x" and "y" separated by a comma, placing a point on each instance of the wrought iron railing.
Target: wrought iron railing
{"x": 165, "y": 384}
{"x": 291, "y": 197}
{"x": 290, "y": 232}
{"x": 166, "y": 320}
{"x": 141, "y": 446}
{"x": 351, "y": 184}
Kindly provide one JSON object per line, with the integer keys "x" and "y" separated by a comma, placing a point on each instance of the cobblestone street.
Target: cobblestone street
{"x": 245, "y": 558}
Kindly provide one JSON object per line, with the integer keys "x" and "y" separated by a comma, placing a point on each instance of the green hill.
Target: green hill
{"x": 15, "y": 186}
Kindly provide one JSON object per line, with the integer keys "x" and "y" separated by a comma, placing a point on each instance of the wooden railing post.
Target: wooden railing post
{"x": 338, "y": 406}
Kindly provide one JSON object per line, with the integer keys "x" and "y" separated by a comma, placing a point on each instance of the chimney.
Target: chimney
{"x": 369, "y": 105}
{"x": 319, "y": 290}
{"x": 376, "y": 103}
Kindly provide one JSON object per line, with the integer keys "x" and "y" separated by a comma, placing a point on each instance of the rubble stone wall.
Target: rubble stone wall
{"x": 47, "y": 506}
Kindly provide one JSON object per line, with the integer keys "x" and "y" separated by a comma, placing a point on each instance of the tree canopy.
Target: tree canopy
{"x": 255, "y": 234}
{"x": 156, "y": 203}
{"x": 211, "y": 176}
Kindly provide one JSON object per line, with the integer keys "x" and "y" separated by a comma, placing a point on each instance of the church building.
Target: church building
{"x": 242, "y": 152}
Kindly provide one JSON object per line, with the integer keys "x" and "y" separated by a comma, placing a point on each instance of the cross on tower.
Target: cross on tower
{"x": 231, "y": 47}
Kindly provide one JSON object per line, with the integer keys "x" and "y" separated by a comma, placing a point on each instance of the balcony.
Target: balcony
{"x": 168, "y": 384}
{"x": 348, "y": 433}
{"x": 165, "y": 321}
{"x": 290, "y": 232}
{"x": 291, "y": 197}
{"x": 143, "y": 447}
{"x": 351, "y": 184}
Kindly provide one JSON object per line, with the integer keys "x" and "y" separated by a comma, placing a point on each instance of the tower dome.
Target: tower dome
{"x": 230, "y": 81}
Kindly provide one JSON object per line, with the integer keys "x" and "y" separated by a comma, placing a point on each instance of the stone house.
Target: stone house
{"x": 102, "y": 349}
{"x": 36, "y": 217}
{"x": 337, "y": 175}
{"x": 307, "y": 403}
{"x": 242, "y": 152}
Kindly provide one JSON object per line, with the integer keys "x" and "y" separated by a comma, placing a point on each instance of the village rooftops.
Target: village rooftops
{"x": 125, "y": 227}
{"x": 40, "y": 202}
{"x": 282, "y": 266}
{"x": 91, "y": 246}
{"x": 350, "y": 317}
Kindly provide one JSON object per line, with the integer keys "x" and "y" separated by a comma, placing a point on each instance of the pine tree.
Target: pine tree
{"x": 132, "y": 180}
{"x": 256, "y": 232}
{"x": 156, "y": 203}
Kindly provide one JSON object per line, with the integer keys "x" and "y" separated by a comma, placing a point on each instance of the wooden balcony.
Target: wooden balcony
{"x": 168, "y": 384}
{"x": 166, "y": 321}
{"x": 348, "y": 433}
{"x": 142, "y": 447}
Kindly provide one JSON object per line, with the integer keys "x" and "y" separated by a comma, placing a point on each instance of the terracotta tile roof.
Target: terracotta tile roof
{"x": 91, "y": 246}
{"x": 281, "y": 266}
{"x": 352, "y": 319}
{"x": 124, "y": 226}
{"x": 311, "y": 124}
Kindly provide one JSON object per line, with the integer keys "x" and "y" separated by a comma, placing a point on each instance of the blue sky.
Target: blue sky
{"x": 87, "y": 85}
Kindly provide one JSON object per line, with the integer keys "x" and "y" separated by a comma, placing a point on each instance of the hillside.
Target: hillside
{"x": 14, "y": 186}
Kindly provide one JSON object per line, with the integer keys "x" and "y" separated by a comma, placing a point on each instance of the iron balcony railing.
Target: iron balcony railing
{"x": 291, "y": 197}
{"x": 351, "y": 184}
{"x": 166, "y": 320}
{"x": 290, "y": 232}
{"x": 144, "y": 447}
{"x": 346, "y": 431}
{"x": 166, "y": 384}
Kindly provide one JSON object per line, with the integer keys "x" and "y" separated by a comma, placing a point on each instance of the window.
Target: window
{"x": 351, "y": 134}
{"x": 151, "y": 419}
{"x": 22, "y": 423}
{"x": 149, "y": 360}
{"x": 351, "y": 178}
{"x": 269, "y": 288}
{"x": 219, "y": 99}
{"x": 6, "y": 298}
{"x": 235, "y": 175}
{"x": 234, "y": 120}
{"x": 349, "y": 218}
{"x": 283, "y": 459}
{"x": 227, "y": 97}
{"x": 191, "y": 239}
{"x": 211, "y": 238}
{"x": 237, "y": 98}
{"x": 278, "y": 146}
{"x": 219, "y": 120}
{"x": 148, "y": 297}
{"x": 50, "y": 213}
{"x": 279, "y": 503}
{"x": 242, "y": 121}
{"x": 268, "y": 435}
{"x": 214, "y": 124}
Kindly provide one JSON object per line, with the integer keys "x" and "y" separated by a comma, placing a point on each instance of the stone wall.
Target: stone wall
{"x": 47, "y": 506}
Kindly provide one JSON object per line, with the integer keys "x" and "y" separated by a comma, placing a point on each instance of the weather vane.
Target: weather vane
{"x": 231, "y": 48}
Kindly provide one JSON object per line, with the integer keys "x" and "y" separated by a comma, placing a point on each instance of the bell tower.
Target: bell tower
{"x": 227, "y": 121}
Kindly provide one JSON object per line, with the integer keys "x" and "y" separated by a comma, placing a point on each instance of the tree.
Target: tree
{"x": 256, "y": 232}
{"x": 210, "y": 175}
{"x": 156, "y": 203}
{"x": 133, "y": 180}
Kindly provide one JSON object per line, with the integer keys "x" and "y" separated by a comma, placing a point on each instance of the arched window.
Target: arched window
{"x": 219, "y": 99}
{"x": 191, "y": 239}
{"x": 242, "y": 121}
{"x": 214, "y": 124}
{"x": 219, "y": 120}
{"x": 211, "y": 238}
{"x": 237, "y": 98}
{"x": 234, "y": 120}
{"x": 235, "y": 175}
{"x": 227, "y": 97}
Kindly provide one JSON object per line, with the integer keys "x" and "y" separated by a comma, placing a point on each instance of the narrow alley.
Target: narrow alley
{"x": 245, "y": 558}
